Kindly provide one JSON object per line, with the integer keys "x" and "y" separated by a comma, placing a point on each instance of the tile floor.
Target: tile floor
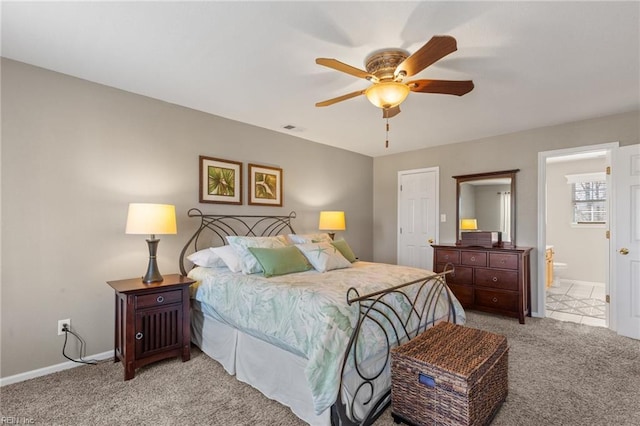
{"x": 577, "y": 301}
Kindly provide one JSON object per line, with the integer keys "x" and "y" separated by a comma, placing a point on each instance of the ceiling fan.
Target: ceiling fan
{"x": 386, "y": 70}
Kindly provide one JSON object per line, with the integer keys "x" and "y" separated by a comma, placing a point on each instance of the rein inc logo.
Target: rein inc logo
{"x": 11, "y": 420}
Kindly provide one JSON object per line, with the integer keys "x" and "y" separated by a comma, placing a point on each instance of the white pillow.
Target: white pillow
{"x": 309, "y": 238}
{"x": 324, "y": 256}
{"x": 248, "y": 262}
{"x": 206, "y": 258}
{"x": 229, "y": 257}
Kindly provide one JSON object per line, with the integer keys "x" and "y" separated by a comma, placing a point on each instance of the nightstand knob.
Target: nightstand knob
{"x": 139, "y": 336}
{"x": 160, "y": 299}
{"x": 495, "y": 300}
{"x": 473, "y": 258}
{"x": 495, "y": 279}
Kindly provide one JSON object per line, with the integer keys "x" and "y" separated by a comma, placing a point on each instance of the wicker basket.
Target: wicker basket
{"x": 449, "y": 375}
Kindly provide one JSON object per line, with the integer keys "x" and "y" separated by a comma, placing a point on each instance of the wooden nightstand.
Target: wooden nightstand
{"x": 152, "y": 321}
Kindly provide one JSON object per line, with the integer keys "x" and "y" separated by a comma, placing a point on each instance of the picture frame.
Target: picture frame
{"x": 220, "y": 181}
{"x": 265, "y": 186}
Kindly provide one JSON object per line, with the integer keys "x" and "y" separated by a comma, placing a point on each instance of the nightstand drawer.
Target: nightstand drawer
{"x": 158, "y": 299}
{"x": 496, "y": 278}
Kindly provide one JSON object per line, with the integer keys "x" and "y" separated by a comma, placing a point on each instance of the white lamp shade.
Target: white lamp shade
{"x": 151, "y": 219}
{"x": 332, "y": 221}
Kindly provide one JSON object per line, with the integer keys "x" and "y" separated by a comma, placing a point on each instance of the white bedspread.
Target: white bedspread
{"x": 305, "y": 313}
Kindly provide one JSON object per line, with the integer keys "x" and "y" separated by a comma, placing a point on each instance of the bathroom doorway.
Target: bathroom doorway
{"x": 574, "y": 227}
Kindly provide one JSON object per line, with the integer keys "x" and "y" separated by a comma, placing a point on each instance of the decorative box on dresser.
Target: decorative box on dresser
{"x": 495, "y": 280}
{"x": 151, "y": 321}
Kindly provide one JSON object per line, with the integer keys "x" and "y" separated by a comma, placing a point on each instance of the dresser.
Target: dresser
{"x": 495, "y": 280}
{"x": 151, "y": 321}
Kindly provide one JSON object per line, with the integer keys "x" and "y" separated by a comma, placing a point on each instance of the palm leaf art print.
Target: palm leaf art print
{"x": 265, "y": 186}
{"x": 221, "y": 181}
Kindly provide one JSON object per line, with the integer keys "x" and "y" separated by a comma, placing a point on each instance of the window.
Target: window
{"x": 589, "y": 198}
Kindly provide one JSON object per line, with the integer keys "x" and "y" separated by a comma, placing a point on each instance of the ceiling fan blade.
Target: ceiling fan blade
{"x": 446, "y": 87}
{"x": 435, "y": 49}
{"x": 340, "y": 98}
{"x": 390, "y": 112}
{"x": 340, "y": 66}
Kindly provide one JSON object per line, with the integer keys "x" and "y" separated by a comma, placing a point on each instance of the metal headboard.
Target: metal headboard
{"x": 214, "y": 228}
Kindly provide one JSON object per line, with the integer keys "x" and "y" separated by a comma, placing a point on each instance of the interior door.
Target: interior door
{"x": 627, "y": 240}
{"x": 418, "y": 216}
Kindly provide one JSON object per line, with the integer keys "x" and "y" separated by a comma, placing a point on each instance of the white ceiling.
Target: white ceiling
{"x": 533, "y": 64}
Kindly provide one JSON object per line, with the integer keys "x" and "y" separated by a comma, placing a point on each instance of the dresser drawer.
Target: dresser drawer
{"x": 464, "y": 294}
{"x": 503, "y": 260}
{"x": 499, "y": 300}
{"x": 448, "y": 256}
{"x": 158, "y": 299}
{"x": 461, "y": 274}
{"x": 496, "y": 278}
{"x": 474, "y": 258}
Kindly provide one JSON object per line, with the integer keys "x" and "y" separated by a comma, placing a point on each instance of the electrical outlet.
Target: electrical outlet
{"x": 61, "y": 324}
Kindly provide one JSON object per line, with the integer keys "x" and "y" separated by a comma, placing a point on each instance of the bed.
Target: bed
{"x": 317, "y": 340}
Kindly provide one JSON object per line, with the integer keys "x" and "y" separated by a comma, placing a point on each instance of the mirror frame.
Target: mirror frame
{"x": 489, "y": 175}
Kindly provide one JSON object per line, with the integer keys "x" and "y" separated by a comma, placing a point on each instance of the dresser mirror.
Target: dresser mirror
{"x": 486, "y": 202}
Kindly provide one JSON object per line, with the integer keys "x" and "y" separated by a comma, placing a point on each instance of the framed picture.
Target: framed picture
{"x": 265, "y": 186}
{"x": 220, "y": 181}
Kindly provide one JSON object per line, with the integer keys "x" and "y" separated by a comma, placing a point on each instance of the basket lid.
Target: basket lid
{"x": 457, "y": 349}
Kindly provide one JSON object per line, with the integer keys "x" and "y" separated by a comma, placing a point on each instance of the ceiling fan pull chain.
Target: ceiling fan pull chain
{"x": 386, "y": 145}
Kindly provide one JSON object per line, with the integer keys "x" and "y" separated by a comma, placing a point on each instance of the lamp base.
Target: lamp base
{"x": 153, "y": 274}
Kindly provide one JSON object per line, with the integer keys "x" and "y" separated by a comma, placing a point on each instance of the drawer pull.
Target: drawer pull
{"x": 494, "y": 279}
{"x": 139, "y": 336}
{"x": 495, "y": 300}
{"x": 160, "y": 299}
{"x": 473, "y": 258}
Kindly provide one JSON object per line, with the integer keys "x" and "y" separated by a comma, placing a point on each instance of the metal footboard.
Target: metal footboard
{"x": 386, "y": 310}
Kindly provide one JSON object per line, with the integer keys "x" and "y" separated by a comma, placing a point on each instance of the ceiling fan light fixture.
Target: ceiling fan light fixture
{"x": 387, "y": 94}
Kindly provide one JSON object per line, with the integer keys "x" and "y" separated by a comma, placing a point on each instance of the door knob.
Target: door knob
{"x": 624, "y": 251}
{"x": 430, "y": 240}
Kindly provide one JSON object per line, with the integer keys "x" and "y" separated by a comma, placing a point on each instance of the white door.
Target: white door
{"x": 417, "y": 216}
{"x": 627, "y": 240}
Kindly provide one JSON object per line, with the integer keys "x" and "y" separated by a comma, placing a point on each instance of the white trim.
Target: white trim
{"x": 401, "y": 173}
{"x": 51, "y": 369}
{"x": 542, "y": 223}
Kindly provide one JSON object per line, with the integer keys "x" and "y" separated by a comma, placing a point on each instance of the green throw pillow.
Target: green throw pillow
{"x": 346, "y": 251}
{"x": 280, "y": 260}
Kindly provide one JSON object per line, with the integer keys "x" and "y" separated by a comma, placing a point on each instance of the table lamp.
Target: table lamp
{"x": 331, "y": 221}
{"x": 151, "y": 219}
{"x": 468, "y": 224}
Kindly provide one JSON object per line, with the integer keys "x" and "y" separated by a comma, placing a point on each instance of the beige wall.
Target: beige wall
{"x": 74, "y": 154}
{"x": 511, "y": 151}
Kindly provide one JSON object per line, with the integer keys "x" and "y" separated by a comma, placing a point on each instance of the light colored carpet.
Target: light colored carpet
{"x": 560, "y": 373}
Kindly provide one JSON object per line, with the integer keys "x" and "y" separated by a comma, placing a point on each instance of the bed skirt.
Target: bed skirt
{"x": 276, "y": 373}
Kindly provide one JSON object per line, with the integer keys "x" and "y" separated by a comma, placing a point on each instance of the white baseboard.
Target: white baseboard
{"x": 51, "y": 369}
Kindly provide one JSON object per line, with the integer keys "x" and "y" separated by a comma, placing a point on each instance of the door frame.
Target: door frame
{"x": 542, "y": 225}
{"x": 401, "y": 173}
